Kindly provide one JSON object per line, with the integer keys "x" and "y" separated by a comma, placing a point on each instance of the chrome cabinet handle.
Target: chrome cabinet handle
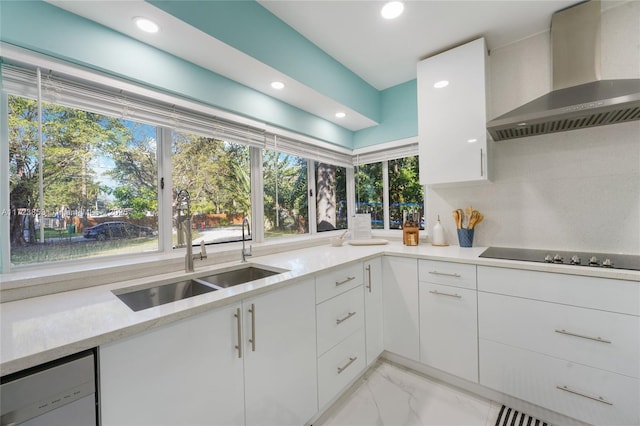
{"x": 446, "y": 274}
{"x": 239, "y": 345}
{"x": 345, "y": 281}
{"x": 575, "y": 392}
{"x": 341, "y": 320}
{"x": 481, "y": 164}
{"x": 351, "y": 361}
{"x": 582, "y": 336}
{"x": 368, "y": 268}
{"x": 445, "y": 294}
{"x": 252, "y": 310}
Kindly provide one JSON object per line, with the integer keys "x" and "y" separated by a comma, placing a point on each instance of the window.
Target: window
{"x": 396, "y": 180}
{"x": 217, "y": 176}
{"x": 88, "y": 188}
{"x": 285, "y": 194}
{"x": 406, "y": 194}
{"x": 331, "y": 197}
{"x": 369, "y": 191}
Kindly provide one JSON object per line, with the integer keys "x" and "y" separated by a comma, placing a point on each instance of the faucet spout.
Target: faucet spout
{"x": 184, "y": 229}
{"x": 244, "y": 252}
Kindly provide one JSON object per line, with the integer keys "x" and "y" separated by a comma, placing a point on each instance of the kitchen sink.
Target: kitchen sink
{"x": 146, "y": 298}
{"x": 241, "y": 275}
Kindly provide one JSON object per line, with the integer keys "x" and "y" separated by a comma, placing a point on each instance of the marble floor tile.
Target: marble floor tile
{"x": 392, "y": 396}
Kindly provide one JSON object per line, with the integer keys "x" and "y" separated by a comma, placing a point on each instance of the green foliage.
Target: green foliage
{"x": 285, "y": 193}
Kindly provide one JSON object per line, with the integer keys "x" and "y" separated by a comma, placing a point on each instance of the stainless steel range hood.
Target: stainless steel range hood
{"x": 579, "y": 98}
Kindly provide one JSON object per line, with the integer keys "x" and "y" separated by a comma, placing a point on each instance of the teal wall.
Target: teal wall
{"x": 399, "y": 116}
{"x": 252, "y": 29}
{"x": 43, "y": 28}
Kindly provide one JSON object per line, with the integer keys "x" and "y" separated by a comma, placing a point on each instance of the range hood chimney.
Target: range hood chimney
{"x": 579, "y": 98}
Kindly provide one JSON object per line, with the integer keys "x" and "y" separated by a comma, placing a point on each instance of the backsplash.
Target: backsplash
{"x": 578, "y": 190}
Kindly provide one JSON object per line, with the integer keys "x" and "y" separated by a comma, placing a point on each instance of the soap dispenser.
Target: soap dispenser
{"x": 438, "y": 234}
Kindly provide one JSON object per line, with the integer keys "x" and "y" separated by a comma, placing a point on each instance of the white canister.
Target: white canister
{"x": 438, "y": 234}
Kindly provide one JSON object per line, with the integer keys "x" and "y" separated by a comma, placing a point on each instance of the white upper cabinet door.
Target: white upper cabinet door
{"x": 281, "y": 382}
{"x": 373, "y": 308}
{"x": 183, "y": 373}
{"x": 400, "y": 306}
{"x": 452, "y": 115}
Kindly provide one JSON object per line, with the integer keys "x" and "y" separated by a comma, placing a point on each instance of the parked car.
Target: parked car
{"x": 108, "y": 230}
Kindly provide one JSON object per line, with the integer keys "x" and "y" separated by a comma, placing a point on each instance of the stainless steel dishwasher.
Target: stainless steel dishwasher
{"x": 59, "y": 393}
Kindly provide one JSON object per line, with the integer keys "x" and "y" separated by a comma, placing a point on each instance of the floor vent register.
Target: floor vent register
{"x": 510, "y": 417}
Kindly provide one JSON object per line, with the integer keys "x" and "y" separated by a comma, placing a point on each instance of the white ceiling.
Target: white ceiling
{"x": 383, "y": 53}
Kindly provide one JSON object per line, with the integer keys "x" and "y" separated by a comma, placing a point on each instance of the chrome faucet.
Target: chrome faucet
{"x": 184, "y": 228}
{"x": 245, "y": 253}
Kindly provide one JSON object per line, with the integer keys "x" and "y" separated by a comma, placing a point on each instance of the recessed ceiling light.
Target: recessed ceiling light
{"x": 146, "y": 25}
{"x": 341, "y": 114}
{"x": 522, "y": 124}
{"x": 278, "y": 85}
{"x": 472, "y": 140}
{"x": 440, "y": 84}
{"x": 392, "y": 9}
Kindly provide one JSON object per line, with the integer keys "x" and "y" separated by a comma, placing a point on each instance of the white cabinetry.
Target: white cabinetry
{"x": 448, "y": 318}
{"x": 340, "y": 314}
{"x": 185, "y": 373}
{"x": 567, "y": 343}
{"x": 279, "y": 358}
{"x": 452, "y": 120}
{"x": 400, "y": 306}
{"x": 196, "y": 372}
{"x": 373, "y": 308}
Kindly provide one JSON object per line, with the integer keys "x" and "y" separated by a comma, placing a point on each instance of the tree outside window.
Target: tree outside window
{"x": 217, "y": 176}
{"x": 286, "y": 209}
{"x": 331, "y": 197}
{"x": 369, "y": 192}
{"x": 405, "y": 191}
{"x": 95, "y": 169}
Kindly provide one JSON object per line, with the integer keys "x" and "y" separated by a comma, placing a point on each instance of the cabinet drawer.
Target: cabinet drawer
{"x": 589, "y": 292}
{"x": 448, "y": 273}
{"x": 565, "y": 387}
{"x": 338, "y": 281}
{"x": 339, "y": 317}
{"x": 338, "y": 367}
{"x": 448, "y": 329}
{"x": 600, "y": 339}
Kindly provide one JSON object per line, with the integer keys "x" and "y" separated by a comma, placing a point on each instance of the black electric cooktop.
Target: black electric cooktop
{"x": 588, "y": 259}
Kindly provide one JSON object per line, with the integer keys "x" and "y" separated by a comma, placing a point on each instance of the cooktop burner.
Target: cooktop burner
{"x": 596, "y": 260}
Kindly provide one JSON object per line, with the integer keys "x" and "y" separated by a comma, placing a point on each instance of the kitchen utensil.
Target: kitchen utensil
{"x": 468, "y": 212}
{"x": 473, "y": 219}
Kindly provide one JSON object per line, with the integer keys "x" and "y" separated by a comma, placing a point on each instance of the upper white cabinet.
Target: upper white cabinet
{"x": 452, "y": 115}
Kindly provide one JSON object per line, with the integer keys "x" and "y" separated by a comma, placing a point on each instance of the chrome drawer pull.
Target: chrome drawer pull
{"x": 445, "y": 294}
{"x": 345, "y": 281}
{"x": 341, "y": 320}
{"x": 239, "y": 345}
{"x": 368, "y": 268}
{"x": 595, "y": 398}
{"x": 456, "y": 275}
{"x": 352, "y": 359}
{"x": 597, "y": 339}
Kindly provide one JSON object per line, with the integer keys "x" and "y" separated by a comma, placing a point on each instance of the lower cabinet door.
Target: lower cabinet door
{"x": 589, "y": 394}
{"x": 400, "y": 306}
{"x": 339, "y": 366}
{"x": 449, "y": 329}
{"x": 373, "y": 308}
{"x": 183, "y": 373}
{"x": 281, "y": 382}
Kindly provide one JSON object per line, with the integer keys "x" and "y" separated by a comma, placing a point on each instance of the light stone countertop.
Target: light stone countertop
{"x": 41, "y": 329}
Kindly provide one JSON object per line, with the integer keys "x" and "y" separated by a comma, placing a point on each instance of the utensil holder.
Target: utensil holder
{"x": 465, "y": 237}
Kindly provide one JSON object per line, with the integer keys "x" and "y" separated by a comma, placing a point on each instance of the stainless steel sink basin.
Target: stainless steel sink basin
{"x": 146, "y": 298}
{"x": 237, "y": 276}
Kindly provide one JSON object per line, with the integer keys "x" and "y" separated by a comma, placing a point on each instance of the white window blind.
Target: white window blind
{"x": 63, "y": 90}
{"x": 386, "y": 152}
{"x": 309, "y": 151}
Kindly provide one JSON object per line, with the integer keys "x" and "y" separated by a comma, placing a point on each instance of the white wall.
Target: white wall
{"x": 577, "y": 190}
